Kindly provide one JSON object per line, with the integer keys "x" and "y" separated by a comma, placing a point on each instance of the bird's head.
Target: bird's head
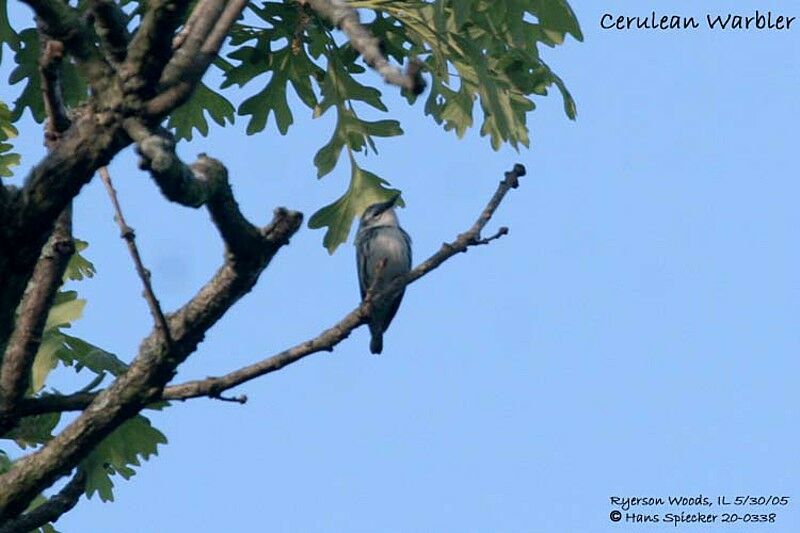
{"x": 381, "y": 213}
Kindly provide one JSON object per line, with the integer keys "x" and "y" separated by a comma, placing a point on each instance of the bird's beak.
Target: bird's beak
{"x": 389, "y": 203}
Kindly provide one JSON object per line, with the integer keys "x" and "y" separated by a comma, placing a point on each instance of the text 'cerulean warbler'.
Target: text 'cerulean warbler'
{"x": 383, "y": 252}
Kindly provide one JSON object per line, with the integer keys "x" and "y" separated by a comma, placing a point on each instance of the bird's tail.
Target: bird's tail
{"x": 376, "y": 344}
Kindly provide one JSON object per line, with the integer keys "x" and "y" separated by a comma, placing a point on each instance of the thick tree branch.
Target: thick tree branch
{"x": 346, "y": 18}
{"x": 127, "y": 233}
{"x": 326, "y": 341}
{"x": 52, "y": 509}
{"x": 197, "y": 49}
{"x": 26, "y": 338}
{"x": 190, "y": 39}
{"x": 110, "y": 24}
{"x": 151, "y": 46}
{"x": 205, "y": 182}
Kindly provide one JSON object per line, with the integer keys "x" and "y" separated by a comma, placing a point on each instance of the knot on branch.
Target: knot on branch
{"x": 157, "y": 152}
{"x": 285, "y": 223}
{"x": 211, "y": 171}
{"x": 513, "y": 175}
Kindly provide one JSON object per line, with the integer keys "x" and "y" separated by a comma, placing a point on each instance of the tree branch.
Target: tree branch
{"x": 346, "y": 18}
{"x": 50, "y": 59}
{"x": 27, "y": 336}
{"x": 62, "y": 23}
{"x": 151, "y": 46}
{"x": 205, "y": 182}
{"x": 128, "y": 235}
{"x": 110, "y": 24}
{"x": 214, "y": 386}
{"x": 52, "y": 509}
{"x": 197, "y": 48}
{"x": 329, "y": 338}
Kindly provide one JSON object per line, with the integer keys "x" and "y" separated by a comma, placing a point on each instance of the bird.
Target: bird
{"x": 383, "y": 249}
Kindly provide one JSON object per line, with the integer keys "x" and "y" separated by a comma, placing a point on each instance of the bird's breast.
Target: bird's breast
{"x": 390, "y": 244}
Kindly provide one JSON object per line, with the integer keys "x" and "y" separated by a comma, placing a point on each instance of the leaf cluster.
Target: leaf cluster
{"x": 282, "y": 56}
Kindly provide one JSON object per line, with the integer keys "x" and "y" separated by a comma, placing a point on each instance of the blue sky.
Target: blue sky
{"x": 636, "y": 334}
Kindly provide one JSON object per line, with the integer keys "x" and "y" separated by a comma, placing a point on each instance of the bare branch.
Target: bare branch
{"x": 331, "y": 337}
{"x": 503, "y": 231}
{"x": 151, "y": 46}
{"x": 52, "y": 509}
{"x": 27, "y": 336}
{"x": 346, "y": 18}
{"x": 185, "y": 58}
{"x": 196, "y": 49}
{"x": 205, "y": 182}
{"x": 127, "y": 233}
{"x": 197, "y": 14}
{"x": 213, "y": 387}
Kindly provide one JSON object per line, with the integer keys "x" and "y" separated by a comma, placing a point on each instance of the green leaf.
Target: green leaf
{"x": 34, "y": 430}
{"x": 7, "y": 34}
{"x": 354, "y": 133}
{"x": 46, "y": 360}
{"x": 192, "y": 114}
{"x": 462, "y": 11}
{"x": 66, "y": 308}
{"x": 484, "y": 51}
{"x": 339, "y": 86}
{"x": 118, "y": 453}
{"x": 557, "y": 15}
{"x": 271, "y": 99}
{"x": 81, "y": 354}
{"x": 5, "y": 462}
{"x": 8, "y": 159}
{"x": 365, "y": 189}
{"x": 79, "y": 267}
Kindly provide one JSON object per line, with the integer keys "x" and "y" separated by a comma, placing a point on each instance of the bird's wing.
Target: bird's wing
{"x": 396, "y": 303}
{"x": 362, "y": 254}
{"x": 392, "y": 310}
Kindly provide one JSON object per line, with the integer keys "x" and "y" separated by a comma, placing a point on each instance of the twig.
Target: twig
{"x": 500, "y": 233}
{"x": 241, "y": 399}
{"x": 127, "y": 233}
{"x": 50, "y": 510}
{"x": 346, "y": 18}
